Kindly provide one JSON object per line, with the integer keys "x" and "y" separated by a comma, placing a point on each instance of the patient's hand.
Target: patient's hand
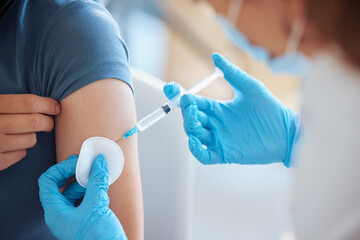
{"x": 21, "y": 116}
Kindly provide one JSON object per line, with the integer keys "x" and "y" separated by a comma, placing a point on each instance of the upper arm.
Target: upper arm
{"x": 80, "y": 61}
{"x": 105, "y": 108}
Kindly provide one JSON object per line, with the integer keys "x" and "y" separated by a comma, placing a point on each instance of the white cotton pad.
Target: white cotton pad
{"x": 91, "y": 148}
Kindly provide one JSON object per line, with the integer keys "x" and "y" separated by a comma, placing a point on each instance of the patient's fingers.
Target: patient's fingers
{"x": 10, "y": 143}
{"x": 25, "y": 123}
{"x": 9, "y": 158}
{"x": 28, "y": 103}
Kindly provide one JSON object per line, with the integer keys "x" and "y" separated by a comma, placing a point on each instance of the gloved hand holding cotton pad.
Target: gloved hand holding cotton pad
{"x": 91, "y": 148}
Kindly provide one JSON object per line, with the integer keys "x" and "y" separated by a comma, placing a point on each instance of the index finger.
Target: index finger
{"x": 28, "y": 103}
{"x": 59, "y": 173}
{"x": 54, "y": 178}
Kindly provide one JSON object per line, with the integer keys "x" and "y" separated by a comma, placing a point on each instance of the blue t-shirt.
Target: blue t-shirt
{"x": 50, "y": 48}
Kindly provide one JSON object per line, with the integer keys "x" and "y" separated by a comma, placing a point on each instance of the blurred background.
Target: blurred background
{"x": 172, "y": 40}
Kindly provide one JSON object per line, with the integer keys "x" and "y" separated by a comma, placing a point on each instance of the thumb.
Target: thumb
{"x": 98, "y": 184}
{"x": 237, "y": 78}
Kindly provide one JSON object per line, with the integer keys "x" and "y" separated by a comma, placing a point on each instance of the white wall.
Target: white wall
{"x": 241, "y": 202}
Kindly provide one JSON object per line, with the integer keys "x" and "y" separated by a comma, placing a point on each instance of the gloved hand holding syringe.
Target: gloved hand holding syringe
{"x": 174, "y": 103}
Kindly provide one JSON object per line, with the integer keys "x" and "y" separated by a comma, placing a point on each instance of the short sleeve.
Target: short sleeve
{"x": 80, "y": 44}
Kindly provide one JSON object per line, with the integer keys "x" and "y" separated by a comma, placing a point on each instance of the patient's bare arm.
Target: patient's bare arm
{"x": 106, "y": 108}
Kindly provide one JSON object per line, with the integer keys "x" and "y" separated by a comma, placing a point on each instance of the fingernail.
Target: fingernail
{"x": 58, "y": 108}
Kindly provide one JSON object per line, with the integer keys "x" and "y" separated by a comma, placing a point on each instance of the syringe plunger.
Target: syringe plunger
{"x": 174, "y": 103}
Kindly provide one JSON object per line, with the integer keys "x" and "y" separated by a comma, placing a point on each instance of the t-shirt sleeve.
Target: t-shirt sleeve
{"x": 80, "y": 44}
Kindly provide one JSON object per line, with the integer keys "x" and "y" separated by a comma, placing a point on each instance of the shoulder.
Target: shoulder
{"x": 75, "y": 23}
{"x": 86, "y": 12}
{"x": 48, "y": 18}
{"x": 44, "y": 12}
{"x": 80, "y": 16}
{"x": 47, "y": 9}
{"x": 80, "y": 44}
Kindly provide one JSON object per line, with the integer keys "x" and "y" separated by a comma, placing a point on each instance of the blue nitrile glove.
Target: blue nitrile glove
{"x": 253, "y": 128}
{"x": 92, "y": 219}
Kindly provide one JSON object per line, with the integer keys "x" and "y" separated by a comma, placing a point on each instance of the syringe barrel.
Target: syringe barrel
{"x": 159, "y": 113}
{"x": 151, "y": 119}
{"x": 175, "y": 102}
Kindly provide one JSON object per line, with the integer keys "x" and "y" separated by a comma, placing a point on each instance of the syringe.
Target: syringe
{"x": 174, "y": 103}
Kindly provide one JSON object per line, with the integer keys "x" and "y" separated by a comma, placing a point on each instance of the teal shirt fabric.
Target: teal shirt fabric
{"x": 50, "y": 48}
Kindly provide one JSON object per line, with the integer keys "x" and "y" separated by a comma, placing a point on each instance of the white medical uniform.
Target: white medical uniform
{"x": 327, "y": 192}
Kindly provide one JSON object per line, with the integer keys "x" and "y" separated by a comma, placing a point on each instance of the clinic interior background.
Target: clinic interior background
{"x": 172, "y": 40}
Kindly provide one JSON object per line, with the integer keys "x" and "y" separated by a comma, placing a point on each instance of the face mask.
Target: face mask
{"x": 292, "y": 62}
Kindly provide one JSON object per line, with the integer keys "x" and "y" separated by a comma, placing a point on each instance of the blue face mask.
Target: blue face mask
{"x": 291, "y": 63}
